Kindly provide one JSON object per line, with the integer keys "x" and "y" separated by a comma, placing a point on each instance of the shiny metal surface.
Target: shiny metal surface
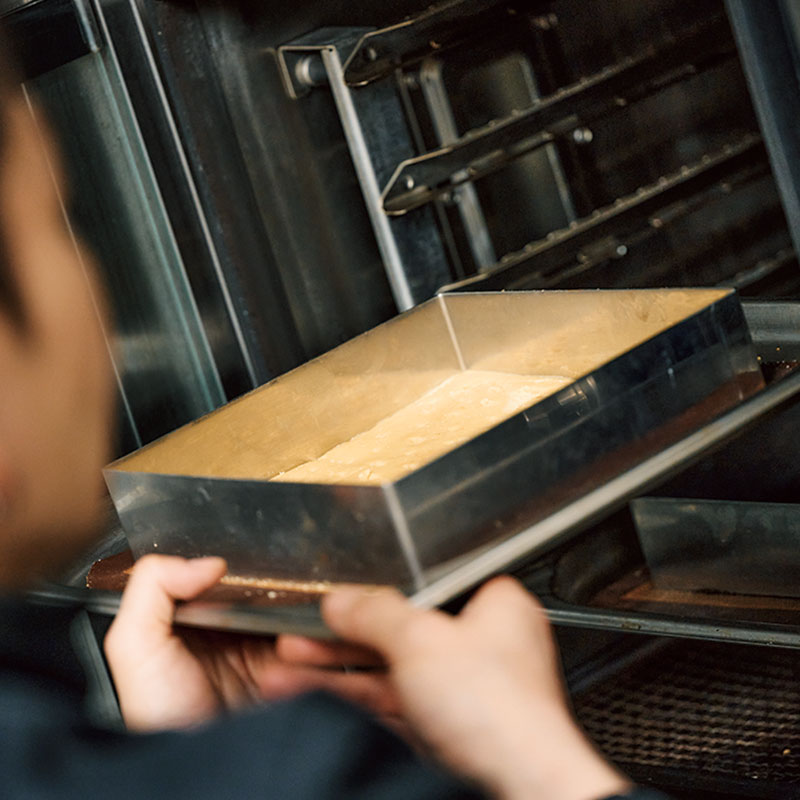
{"x": 304, "y": 620}
{"x": 398, "y": 280}
{"x": 639, "y": 359}
{"x": 719, "y": 545}
{"x": 435, "y": 93}
{"x": 760, "y": 464}
{"x": 775, "y": 328}
{"x": 164, "y": 362}
{"x": 598, "y": 619}
{"x": 768, "y": 45}
{"x": 772, "y": 415}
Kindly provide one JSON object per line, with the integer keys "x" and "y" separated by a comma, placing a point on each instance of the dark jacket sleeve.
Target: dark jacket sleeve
{"x": 315, "y": 747}
{"x": 640, "y": 793}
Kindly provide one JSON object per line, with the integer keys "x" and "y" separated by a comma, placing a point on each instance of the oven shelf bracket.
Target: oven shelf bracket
{"x": 374, "y": 126}
{"x": 370, "y": 54}
{"x": 440, "y": 26}
{"x": 300, "y": 62}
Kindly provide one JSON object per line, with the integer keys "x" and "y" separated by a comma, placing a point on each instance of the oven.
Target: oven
{"x": 264, "y": 182}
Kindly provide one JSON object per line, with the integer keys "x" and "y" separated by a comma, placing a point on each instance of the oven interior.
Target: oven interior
{"x": 262, "y": 182}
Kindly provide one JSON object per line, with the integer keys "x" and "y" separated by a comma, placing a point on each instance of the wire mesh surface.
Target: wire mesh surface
{"x": 707, "y": 709}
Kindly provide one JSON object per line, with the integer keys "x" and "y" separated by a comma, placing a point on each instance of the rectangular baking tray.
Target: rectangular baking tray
{"x": 645, "y": 366}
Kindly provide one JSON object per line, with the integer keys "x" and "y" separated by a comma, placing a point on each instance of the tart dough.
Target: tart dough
{"x": 453, "y": 412}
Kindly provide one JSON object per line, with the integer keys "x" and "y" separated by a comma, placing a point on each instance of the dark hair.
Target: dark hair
{"x": 10, "y": 298}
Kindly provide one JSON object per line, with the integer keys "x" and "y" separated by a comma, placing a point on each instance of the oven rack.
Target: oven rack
{"x": 422, "y": 173}
{"x": 690, "y": 186}
{"x": 484, "y": 150}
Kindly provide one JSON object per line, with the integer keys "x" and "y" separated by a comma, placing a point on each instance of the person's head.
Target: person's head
{"x": 55, "y": 376}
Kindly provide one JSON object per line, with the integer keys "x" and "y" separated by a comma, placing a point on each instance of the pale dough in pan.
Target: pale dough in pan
{"x": 453, "y": 412}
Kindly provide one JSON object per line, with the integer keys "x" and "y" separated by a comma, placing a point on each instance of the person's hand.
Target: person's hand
{"x": 483, "y": 689}
{"x": 173, "y": 678}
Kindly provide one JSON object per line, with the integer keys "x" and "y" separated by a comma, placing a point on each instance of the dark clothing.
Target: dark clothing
{"x": 312, "y": 747}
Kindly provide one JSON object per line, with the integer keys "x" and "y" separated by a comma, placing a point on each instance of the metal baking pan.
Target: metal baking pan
{"x": 645, "y": 366}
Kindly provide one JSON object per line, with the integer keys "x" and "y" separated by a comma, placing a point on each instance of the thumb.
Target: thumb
{"x": 375, "y": 618}
{"x": 148, "y": 602}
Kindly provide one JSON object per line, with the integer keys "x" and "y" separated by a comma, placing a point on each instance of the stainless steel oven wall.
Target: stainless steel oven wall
{"x": 167, "y": 369}
{"x": 165, "y": 366}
